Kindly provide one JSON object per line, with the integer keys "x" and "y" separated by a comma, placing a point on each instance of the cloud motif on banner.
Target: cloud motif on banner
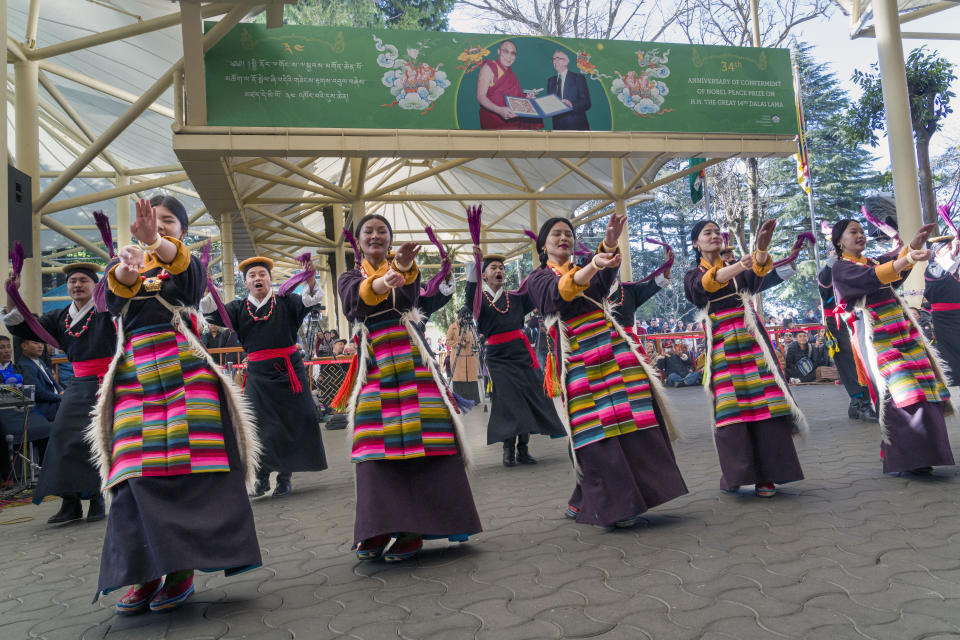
{"x": 414, "y": 85}
{"x": 643, "y": 91}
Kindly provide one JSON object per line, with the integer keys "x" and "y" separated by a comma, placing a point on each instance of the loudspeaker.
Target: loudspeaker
{"x": 20, "y": 209}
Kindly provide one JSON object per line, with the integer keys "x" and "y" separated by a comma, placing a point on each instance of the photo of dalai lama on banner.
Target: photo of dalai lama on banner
{"x": 506, "y": 97}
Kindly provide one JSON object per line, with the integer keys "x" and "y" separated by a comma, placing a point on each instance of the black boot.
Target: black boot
{"x": 867, "y": 413}
{"x": 284, "y": 486}
{"x": 97, "y": 510}
{"x": 523, "y": 452}
{"x": 509, "y": 453}
{"x": 263, "y": 483}
{"x": 71, "y": 509}
{"x": 853, "y": 409}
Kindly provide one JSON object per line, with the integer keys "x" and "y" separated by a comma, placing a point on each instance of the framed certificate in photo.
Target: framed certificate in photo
{"x": 544, "y": 107}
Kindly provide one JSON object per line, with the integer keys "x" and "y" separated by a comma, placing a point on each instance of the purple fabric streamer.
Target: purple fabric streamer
{"x": 106, "y": 233}
{"x": 473, "y": 224}
{"x": 13, "y": 294}
{"x": 353, "y": 243}
{"x": 887, "y": 230}
{"x": 212, "y": 290}
{"x": 944, "y": 211}
{"x": 726, "y": 238}
{"x": 306, "y": 272}
{"x": 531, "y": 234}
{"x": 665, "y": 266}
{"x": 581, "y": 250}
{"x": 803, "y": 237}
{"x": 445, "y": 267}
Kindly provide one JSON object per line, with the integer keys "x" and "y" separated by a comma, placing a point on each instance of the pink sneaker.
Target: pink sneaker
{"x": 138, "y": 598}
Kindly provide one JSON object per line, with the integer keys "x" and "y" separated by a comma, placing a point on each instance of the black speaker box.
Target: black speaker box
{"x": 20, "y": 209}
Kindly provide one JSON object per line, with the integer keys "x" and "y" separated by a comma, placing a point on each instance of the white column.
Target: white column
{"x": 27, "y": 127}
{"x": 620, "y": 206}
{"x": 123, "y": 214}
{"x": 340, "y": 258}
{"x": 226, "y": 251}
{"x": 903, "y": 157}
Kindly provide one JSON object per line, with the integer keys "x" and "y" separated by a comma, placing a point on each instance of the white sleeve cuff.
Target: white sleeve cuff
{"x": 471, "y": 268}
{"x": 12, "y": 318}
{"x": 662, "y": 281}
{"x": 207, "y": 305}
{"x": 312, "y": 297}
{"x": 448, "y": 286}
{"x": 787, "y": 271}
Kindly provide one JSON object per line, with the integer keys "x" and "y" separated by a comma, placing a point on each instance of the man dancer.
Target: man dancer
{"x": 520, "y": 406}
{"x": 276, "y": 384}
{"x": 88, "y": 338}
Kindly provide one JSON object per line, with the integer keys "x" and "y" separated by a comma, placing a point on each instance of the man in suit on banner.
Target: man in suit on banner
{"x": 571, "y": 88}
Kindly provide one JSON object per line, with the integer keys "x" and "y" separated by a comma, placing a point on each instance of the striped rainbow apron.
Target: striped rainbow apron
{"x": 166, "y": 410}
{"x": 400, "y": 412}
{"x": 608, "y": 393}
{"x": 744, "y": 387}
{"x": 901, "y": 357}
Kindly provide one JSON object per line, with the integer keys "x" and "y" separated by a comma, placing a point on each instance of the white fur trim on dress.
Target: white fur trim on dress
{"x": 871, "y": 361}
{"x": 410, "y": 320}
{"x": 99, "y": 432}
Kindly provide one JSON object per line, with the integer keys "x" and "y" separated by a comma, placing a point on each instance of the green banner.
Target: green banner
{"x": 306, "y": 76}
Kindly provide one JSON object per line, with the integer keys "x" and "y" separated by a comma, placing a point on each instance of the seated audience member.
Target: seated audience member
{"x": 803, "y": 358}
{"x": 677, "y": 367}
{"x": 36, "y": 372}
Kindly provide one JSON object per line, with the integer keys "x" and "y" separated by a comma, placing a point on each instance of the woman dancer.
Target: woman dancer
{"x": 606, "y": 395}
{"x": 407, "y": 440}
{"x": 173, "y": 438}
{"x": 904, "y": 374}
{"x": 754, "y": 415}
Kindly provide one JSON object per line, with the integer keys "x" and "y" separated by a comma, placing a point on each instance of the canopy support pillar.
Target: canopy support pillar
{"x": 903, "y": 158}
{"x": 620, "y": 207}
{"x": 27, "y": 126}
{"x": 226, "y": 264}
{"x": 340, "y": 259}
{"x": 123, "y": 213}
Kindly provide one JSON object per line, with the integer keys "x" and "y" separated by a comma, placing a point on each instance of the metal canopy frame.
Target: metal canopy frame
{"x": 862, "y": 25}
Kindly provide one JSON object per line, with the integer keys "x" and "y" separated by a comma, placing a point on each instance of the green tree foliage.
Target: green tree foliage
{"x": 424, "y": 15}
{"x": 841, "y": 176}
{"x": 928, "y": 83}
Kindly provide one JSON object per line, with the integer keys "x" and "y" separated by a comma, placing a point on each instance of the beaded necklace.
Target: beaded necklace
{"x": 86, "y": 324}
{"x": 619, "y": 303}
{"x": 273, "y": 305}
{"x": 494, "y": 304}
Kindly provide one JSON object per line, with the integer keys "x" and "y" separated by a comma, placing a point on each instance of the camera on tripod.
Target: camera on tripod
{"x": 464, "y": 314}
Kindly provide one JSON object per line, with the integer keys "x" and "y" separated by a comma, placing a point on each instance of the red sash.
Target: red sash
{"x": 510, "y": 336}
{"x": 96, "y": 367}
{"x": 945, "y": 306}
{"x": 280, "y": 352}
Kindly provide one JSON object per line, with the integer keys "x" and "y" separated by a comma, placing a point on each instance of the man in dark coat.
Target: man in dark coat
{"x": 276, "y": 383}
{"x": 571, "y": 88}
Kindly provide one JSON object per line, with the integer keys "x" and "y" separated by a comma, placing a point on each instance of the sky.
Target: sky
{"x": 832, "y": 44}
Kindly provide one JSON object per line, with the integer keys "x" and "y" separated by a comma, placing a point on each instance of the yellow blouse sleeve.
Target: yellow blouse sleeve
{"x": 408, "y": 276}
{"x": 370, "y": 297}
{"x": 569, "y": 289}
{"x": 762, "y": 269}
{"x": 119, "y": 289}
{"x": 886, "y": 273}
{"x": 709, "y": 280}
{"x": 179, "y": 263}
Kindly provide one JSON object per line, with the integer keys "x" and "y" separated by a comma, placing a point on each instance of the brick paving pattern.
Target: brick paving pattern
{"x": 846, "y": 553}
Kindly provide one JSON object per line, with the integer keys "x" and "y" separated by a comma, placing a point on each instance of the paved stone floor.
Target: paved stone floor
{"x": 846, "y": 553}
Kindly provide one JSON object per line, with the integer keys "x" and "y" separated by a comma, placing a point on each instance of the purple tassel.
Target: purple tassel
{"x": 299, "y": 278}
{"x": 473, "y": 223}
{"x": 353, "y": 243}
{"x": 17, "y": 258}
{"x": 212, "y": 290}
{"x": 665, "y": 266}
{"x": 13, "y": 295}
{"x": 205, "y": 254}
{"x": 531, "y": 235}
{"x": 106, "y": 233}
{"x": 463, "y": 403}
{"x": 887, "y": 230}
{"x": 944, "y": 211}
{"x": 726, "y": 238}
{"x": 802, "y": 238}
{"x": 445, "y": 267}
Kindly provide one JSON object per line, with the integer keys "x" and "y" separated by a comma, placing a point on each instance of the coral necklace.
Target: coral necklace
{"x": 494, "y": 304}
{"x": 86, "y": 324}
{"x": 273, "y": 305}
